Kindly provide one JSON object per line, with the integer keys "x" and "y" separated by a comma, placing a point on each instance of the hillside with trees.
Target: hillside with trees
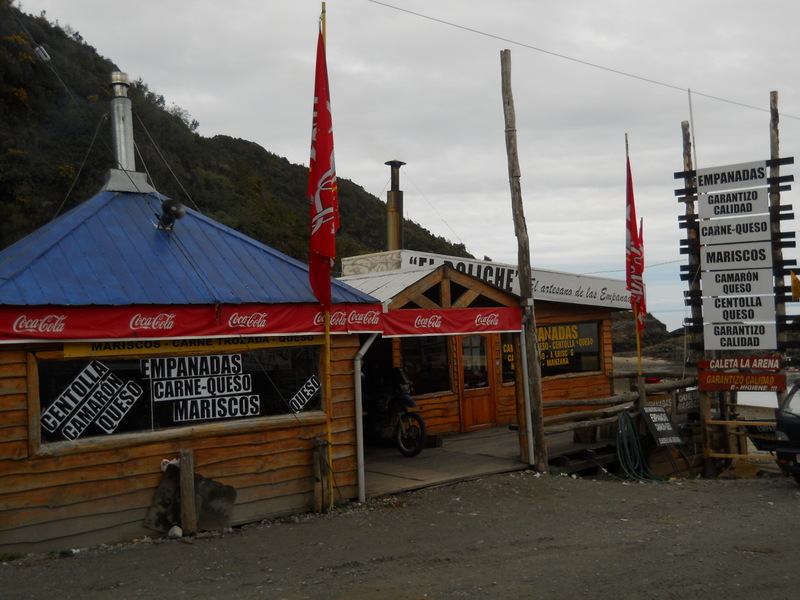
{"x": 55, "y": 150}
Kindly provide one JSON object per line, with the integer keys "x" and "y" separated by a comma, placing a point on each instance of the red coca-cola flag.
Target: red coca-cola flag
{"x": 323, "y": 194}
{"x": 634, "y": 256}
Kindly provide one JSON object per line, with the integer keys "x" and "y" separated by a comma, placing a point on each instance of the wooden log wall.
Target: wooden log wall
{"x": 70, "y": 495}
{"x": 579, "y": 385}
{"x": 442, "y": 413}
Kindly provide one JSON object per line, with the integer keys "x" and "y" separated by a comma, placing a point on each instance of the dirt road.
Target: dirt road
{"x": 507, "y": 536}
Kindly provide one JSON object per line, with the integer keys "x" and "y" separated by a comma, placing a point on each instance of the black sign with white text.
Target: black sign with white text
{"x": 85, "y": 398}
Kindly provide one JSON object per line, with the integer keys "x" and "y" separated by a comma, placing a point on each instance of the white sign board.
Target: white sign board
{"x": 725, "y": 257}
{"x": 743, "y": 336}
{"x": 737, "y": 309}
{"x": 735, "y": 230}
{"x": 728, "y": 204}
{"x": 746, "y": 281}
{"x": 732, "y": 177}
{"x": 553, "y": 286}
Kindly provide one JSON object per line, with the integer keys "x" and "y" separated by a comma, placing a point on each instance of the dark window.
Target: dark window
{"x": 569, "y": 348}
{"x": 507, "y": 349}
{"x": 103, "y": 396}
{"x": 426, "y": 364}
{"x": 475, "y": 363}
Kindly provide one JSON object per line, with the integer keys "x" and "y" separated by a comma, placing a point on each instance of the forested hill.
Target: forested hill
{"x": 55, "y": 150}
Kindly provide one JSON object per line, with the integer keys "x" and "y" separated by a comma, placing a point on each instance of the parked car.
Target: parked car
{"x": 787, "y": 429}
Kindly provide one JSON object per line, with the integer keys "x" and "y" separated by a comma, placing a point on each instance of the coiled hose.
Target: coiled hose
{"x": 631, "y": 456}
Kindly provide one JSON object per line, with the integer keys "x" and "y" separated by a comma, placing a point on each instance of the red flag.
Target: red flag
{"x": 634, "y": 256}
{"x": 323, "y": 193}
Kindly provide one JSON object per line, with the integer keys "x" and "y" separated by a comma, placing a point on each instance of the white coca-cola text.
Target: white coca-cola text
{"x": 257, "y": 319}
{"x": 490, "y": 320}
{"x": 430, "y": 322}
{"x": 340, "y": 317}
{"x": 48, "y": 324}
{"x": 159, "y": 321}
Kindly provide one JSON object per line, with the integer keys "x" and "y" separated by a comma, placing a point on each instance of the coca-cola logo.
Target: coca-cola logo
{"x": 159, "y": 321}
{"x": 371, "y": 317}
{"x": 431, "y": 322}
{"x": 354, "y": 317}
{"x": 255, "y": 320}
{"x": 48, "y": 324}
{"x": 336, "y": 318}
{"x": 491, "y": 320}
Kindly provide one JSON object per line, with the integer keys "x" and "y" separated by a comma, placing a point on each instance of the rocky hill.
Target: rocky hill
{"x": 55, "y": 150}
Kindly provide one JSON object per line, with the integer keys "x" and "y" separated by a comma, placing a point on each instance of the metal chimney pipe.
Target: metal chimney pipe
{"x": 122, "y": 122}
{"x": 394, "y": 209}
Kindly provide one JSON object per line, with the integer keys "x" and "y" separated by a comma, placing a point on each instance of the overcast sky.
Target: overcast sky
{"x": 420, "y": 81}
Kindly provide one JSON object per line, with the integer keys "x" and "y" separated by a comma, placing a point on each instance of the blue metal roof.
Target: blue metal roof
{"x": 108, "y": 251}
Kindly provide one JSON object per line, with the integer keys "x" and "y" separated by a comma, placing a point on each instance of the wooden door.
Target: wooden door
{"x": 477, "y": 380}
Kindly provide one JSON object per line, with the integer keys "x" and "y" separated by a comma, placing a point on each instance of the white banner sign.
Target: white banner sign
{"x": 748, "y": 281}
{"x": 733, "y": 309}
{"x": 725, "y": 257}
{"x": 732, "y": 177}
{"x": 743, "y": 336}
{"x": 738, "y": 203}
{"x": 555, "y": 286}
{"x": 735, "y": 230}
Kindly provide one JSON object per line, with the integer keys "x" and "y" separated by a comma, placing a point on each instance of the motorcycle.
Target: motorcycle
{"x": 390, "y": 415}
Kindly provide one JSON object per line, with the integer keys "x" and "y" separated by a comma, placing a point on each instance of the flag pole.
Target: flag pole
{"x": 634, "y": 306}
{"x": 327, "y": 352}
{"x": 322, "y": 20}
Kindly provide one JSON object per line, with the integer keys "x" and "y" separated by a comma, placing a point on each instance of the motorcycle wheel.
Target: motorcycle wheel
{"x": 411, "y": 434}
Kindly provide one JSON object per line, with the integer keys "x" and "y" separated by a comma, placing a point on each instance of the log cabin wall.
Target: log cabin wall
{"x": 592, "y": 384}
{"x": 70, "y": 495}
{"x": 441, "y": 411}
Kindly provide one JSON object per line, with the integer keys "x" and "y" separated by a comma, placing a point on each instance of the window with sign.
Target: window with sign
{"x": 84, "y": 398}
{"x": 569, "y": 348}
{"x": 426, "y": 364}
{"x": 507, "y": 351}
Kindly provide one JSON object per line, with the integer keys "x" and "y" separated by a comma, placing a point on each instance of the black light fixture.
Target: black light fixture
{"x": 171, "y": 211}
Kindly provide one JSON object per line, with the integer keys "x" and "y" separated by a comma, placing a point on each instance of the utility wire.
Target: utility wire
{"x": 571, "y": 59}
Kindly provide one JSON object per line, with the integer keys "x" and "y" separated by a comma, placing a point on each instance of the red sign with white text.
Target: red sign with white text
{"x": 43, "y": 323}
{"x": 720, "y": 381}
{"x": 406, "y": 322}
{"x": 763, "y": 363}
{"x": 52, "y": 323}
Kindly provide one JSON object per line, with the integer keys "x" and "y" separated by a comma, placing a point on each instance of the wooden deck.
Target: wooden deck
{"x": 466, "y": 456}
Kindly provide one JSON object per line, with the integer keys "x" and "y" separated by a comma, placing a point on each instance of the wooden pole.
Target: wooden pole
{"x": 774, "y": 204}
{"x": 697, "y": 311}
{"x": 188, "y": 501}
{"x": 640, "y": 376}
{"x": 327, "y": 467}
{"x": 534, "y": 367}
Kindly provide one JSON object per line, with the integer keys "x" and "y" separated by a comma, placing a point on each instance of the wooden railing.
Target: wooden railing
{"x": 609, "y": 408}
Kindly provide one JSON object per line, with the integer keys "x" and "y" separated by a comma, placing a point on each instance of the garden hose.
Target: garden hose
{"x": 631, "y": 456}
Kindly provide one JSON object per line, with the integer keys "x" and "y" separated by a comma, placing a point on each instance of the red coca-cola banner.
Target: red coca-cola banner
{"x": 44, "y": 323}
{"x": 405, "y": 322}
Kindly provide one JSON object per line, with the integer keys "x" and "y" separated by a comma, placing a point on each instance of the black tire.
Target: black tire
{"x": 411, "y": 434}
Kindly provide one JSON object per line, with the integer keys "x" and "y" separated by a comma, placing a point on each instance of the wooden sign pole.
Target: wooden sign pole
{"x": 533, "y": 366}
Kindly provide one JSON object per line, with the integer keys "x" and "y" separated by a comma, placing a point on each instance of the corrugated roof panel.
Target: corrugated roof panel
{"x": 385, "y": 285}
{"x": 108, "y": 251}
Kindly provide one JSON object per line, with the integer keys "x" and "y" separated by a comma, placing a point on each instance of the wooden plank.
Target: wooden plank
{"x": 13, "y": 370}
{"x": 10, "y": 357}
{"x": 188, "y": 504}
{"x": 99, "y": 509}
{"x": 13, "y": 385}
{"x": 114, "y": 466}
{"x": 12, "y": 417}
{"x": 13, "y": 451}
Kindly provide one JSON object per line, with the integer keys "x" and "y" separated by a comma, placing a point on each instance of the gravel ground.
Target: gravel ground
{"x": 516, "y": 535}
